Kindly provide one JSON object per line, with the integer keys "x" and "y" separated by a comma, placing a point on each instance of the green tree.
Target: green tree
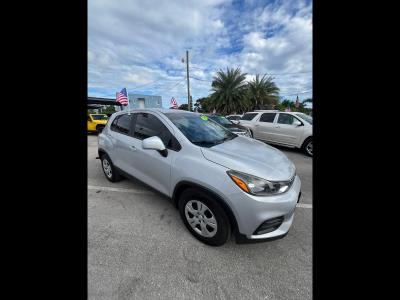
{"x": 203, "y": 105}
{"x": 110, "y": 109}
{"x": 229, "y": 91}
{"x": 289, "y": 103}
{"x": 183, "y": 106}
{"x": 263, "y": 93}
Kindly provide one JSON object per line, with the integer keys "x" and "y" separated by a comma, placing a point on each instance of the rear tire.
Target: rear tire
{"x": 108, "y": 168}
{"x": 307, "y": 146}
{"x": 210, "y": 224}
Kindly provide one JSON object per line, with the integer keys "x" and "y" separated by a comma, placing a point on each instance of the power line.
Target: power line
{"x": 296, "y": 93}
{"x": 275, "y": 74}
{"x": 288, "y": 73}
{"x": 199, "y": 79}
{"x": 172, "y": 87}
{"x": 151, "y": 83}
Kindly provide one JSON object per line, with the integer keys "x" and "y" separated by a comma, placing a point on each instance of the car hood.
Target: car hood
{"x": 234, "y": 127}
{"x": 252, "y": 157}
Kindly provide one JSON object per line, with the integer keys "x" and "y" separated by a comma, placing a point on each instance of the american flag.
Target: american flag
{"x": 174, "y": 104}
{"x": 122, "y": 97}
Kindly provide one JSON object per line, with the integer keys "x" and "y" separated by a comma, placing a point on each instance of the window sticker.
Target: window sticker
{"x": 204, "y": 118}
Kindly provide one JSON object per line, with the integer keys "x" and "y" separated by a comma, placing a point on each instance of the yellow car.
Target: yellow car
{"x": 96, "y": 122}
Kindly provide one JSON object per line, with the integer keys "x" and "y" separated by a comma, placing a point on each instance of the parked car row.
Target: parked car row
{"x": 290, "y": 129}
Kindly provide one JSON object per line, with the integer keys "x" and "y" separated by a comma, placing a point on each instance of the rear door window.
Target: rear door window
{"x": 121, "y": 124}
{"x": 268, "y": 117}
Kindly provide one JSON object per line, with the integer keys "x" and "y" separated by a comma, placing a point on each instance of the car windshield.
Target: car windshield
{"x": 305, "y": 117}
{"x": 220, "y": 120}
{"x": 99, "y": 117}
{"x": 200, "y": 129}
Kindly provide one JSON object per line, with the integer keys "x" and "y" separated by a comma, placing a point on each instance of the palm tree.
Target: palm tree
{"x": 285, "y": 104}
{"x": 229, "y": 91}
{"x": 263, "y": 92}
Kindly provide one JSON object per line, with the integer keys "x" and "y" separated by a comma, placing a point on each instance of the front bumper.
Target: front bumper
{"x": 251, "y": 211}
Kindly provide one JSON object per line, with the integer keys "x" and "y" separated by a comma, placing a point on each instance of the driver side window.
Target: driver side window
{"x": 148, "y": 125}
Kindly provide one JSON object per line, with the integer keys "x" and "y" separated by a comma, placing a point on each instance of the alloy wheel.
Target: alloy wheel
{"x": 309, "y": 148}
{"x": 200, "y": 218}
{"x": 107, "y": 168}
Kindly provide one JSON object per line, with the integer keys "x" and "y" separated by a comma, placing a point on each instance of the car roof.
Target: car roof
{"x": 160, "y": 110}
{"x": 266, "y": 110}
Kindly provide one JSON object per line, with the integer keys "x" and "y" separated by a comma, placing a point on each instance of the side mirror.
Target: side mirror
{"x": 297, "y": 123}
{"x": 155, "y": 143}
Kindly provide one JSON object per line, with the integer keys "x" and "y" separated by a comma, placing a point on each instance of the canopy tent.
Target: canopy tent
{"x": 102, "y": 101}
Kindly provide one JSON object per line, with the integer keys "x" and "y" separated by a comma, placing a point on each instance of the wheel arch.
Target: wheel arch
{"x": 183, "y": 185}
{"x": 306, "y": 140}
{"x": 101, "y": 152}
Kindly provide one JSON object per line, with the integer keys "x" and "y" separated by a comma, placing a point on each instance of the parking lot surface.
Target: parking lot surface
{"x": 138, "y": 247}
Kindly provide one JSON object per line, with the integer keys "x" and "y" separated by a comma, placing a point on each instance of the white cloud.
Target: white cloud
{"x": 134, "y": 43}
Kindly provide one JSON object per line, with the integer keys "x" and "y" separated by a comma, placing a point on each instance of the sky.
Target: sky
{"x": 140, "y": 45}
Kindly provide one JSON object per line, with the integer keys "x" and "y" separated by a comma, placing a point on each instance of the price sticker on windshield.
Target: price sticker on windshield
{"x": 204, "y": 118}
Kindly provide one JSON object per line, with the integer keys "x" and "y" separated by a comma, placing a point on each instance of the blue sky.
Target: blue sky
{"x": 139, "y": 45}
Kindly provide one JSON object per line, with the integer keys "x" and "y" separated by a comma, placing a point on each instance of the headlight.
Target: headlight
{"x": 258, "y": 186}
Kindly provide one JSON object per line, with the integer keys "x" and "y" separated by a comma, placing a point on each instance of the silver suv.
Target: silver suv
{"x": 221, "y": 183}
{"x": 290, "y": 129}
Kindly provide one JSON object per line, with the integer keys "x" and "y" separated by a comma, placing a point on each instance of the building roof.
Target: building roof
{"x": 103, "y": 101}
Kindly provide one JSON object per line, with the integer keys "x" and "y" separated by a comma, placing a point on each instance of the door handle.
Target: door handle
{"x": 133, "y": 148}
{"x": 277, "y": 126}
{"x": 256, "y": 125}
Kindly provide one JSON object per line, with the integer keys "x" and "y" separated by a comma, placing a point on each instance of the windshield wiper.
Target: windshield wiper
{"x": 206, "y": 143}
{"x": 229, "y": 138}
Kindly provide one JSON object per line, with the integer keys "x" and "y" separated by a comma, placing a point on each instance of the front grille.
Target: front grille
{"x": 269, "y": 226}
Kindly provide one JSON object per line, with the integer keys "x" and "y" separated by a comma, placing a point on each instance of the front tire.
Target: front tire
{"x": 108, "y": 168}
{"x": 204, "y": 217}
{"x": 308, "y": 147}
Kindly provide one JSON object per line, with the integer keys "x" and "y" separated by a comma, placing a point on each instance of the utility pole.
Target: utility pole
{"x": 187, "y": 75}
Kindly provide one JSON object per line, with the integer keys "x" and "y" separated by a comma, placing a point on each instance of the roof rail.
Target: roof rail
{"x": 258, "y": 110}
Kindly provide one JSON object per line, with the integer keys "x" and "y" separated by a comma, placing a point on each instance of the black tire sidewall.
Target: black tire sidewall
{"x": 306, "y": 142}
{"x": 223, "y": 224}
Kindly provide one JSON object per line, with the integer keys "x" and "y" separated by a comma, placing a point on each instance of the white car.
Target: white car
{"x": 290, "y": 129}
{"x": 234, "y": 118}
